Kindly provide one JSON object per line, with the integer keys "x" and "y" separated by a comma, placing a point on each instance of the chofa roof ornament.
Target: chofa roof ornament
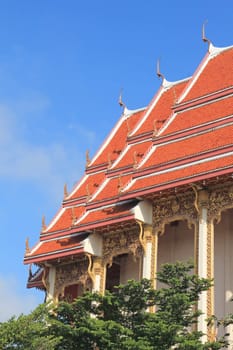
{"x": 204, "y": 38}
{"x": 158, "y": 72}
{"x": 120, "y": 101}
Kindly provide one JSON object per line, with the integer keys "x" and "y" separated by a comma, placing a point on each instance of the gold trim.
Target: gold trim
{"x": 27, "y": 248}
{"x": 141, "y": 236}
{"x": 174, "y": 208}
{"x": 154, "y": 259}
{"x": 90, "y": 268}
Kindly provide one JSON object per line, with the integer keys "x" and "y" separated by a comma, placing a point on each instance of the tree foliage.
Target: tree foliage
{"x": 119, "y": 320}
{"x": 29, "y": 332}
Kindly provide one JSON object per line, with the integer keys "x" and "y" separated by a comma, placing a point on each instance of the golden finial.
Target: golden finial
{"x": 27, "y": 249}
{"x": 43, "y": 223}
{"x": 119, "y": 186}
{"x": 65, "y": 191}
{"x": 121, "y": 103}
{"x": 109, "y": 160}
{"x": 204, "y": 38}
{"x": 135, "y": 159}
{"x": 73, "y": 216}
{"x": 88, "y": 160}
{"x": 155, "y": 128}
{"x": 159, "y": 74}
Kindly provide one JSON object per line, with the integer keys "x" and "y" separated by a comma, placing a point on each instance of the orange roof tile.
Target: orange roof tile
{"x": 187, "y": 172}
{"x": 112, "y": 189}
{"x": 118, "y": 212}
{"x": 191, "y": 146}
{"x": 162, "y": 109}
{"x": 200, "y": 115}
{"x": 50, "y": 249}
{"x": 217, "y": 75}
{"x": 116, "y": 144}
{"x": 65, "y": 220}
{"x": 134, "y": 154}
{"x": 90, "y": 185}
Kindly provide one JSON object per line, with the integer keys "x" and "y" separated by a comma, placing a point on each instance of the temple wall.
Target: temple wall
{"x": 223, "y": 265}
{"x": 176, "y": 244}
{"x": 129, "y": 269}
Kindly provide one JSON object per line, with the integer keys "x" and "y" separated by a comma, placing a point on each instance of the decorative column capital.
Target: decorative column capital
{"x": 203, "y": 198}
{"x": 148, "y": 233}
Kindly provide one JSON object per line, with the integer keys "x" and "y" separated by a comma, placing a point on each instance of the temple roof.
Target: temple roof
{"x": 183, "y": 136}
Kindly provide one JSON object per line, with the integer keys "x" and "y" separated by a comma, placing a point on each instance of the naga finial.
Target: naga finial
{"x": 27, "y": 249}
{"x": 88, "y": 160}
{"x": 204, "y": 38}
{"x": 43, "y": 223}
{"x": 158, "y": 72}
{"x": 65, "y": 191}
{"x": 121, "y": 103}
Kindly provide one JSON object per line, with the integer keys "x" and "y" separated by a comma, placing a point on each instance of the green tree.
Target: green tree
{"x": 119, "y": 320}
{"x": 29, "y": 332}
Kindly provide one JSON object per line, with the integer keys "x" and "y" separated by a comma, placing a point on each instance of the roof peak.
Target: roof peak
{"x": 128, "y": 112}
{"x": 213, "y": 50}
{"x": 166, "y": 84}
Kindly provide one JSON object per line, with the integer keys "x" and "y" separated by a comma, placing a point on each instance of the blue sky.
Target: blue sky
{"x": 62, "y": 65}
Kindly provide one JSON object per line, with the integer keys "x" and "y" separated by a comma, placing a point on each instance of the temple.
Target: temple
{"x": 159, "y": 189}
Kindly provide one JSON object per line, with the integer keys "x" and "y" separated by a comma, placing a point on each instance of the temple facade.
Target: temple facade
{"x": 159, "y": 189}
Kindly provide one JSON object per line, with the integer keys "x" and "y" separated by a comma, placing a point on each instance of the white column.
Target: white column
{"x": 51, "y": 279}
{"x": 96, "y": 287}
{"x": 97, "y": 275}
{"x": 202, "y": 269}
{"x": 146, "y": 270}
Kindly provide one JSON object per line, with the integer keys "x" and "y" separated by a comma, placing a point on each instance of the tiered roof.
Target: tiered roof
{"x": 183, "y": 136}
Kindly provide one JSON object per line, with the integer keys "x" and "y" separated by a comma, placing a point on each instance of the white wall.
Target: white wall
{"x": 176, "y": 244}
{"x": 129, "y": 269}
{"x": 223, "y": 265}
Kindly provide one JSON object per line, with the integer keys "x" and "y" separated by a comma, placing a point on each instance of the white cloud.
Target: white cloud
{"x": 49, "y": 165}
{"x": 87, "y": 134}
{"x": 12, "y": 302}
{"x": 6, "y": 125}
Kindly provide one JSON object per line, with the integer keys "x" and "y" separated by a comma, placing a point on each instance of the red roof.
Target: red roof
{"x": 133, "y": 155}
{"x": 191, "y": 146}
{"x": 114, "y": 146}
{"x": 194, "y": 120}
{"x": 113, "y": 187}
{"x": 200, "y": 115}
{"x": 107, "y": 215}
{"x": 216, "y": 75}
{"x": 65, "y": 220}
{"x": 56, "y": 248}
{"x": 185, "y": 174}
{"x": 89, "y": 186}
{"x": 162, "y": 109}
